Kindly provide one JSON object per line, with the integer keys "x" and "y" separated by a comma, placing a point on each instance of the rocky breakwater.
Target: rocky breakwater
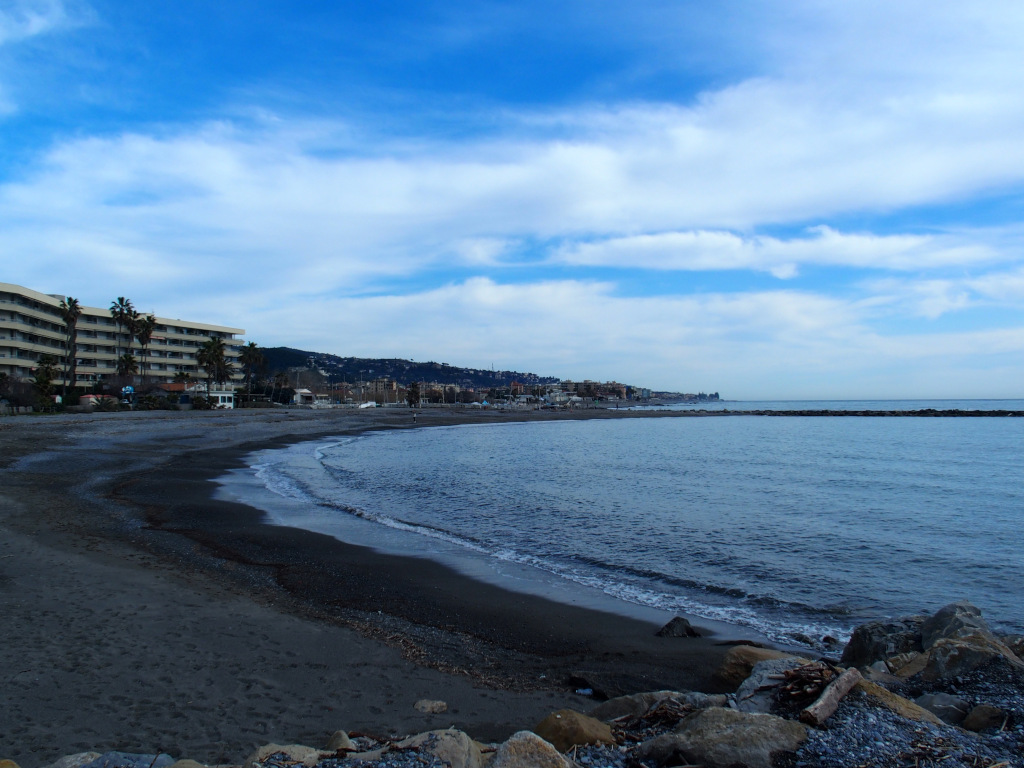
{"x": 941, "y": 690}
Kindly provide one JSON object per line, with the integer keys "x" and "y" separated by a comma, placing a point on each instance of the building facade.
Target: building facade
{"x": 31, "y": 326}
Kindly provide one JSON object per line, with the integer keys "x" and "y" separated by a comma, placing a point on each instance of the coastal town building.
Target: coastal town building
{"x": 31, "y": 326}
{"x": 384, "y": 390}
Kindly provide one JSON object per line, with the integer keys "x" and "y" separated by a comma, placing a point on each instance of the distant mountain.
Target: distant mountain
{"x": 353, "y": 369}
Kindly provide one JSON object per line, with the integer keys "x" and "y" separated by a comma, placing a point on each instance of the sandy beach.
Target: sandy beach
{"x": 140, "y": 613}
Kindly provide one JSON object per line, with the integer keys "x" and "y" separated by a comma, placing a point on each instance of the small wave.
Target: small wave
{"x": 278, "y": 483}
{"x": 319, "y": 453}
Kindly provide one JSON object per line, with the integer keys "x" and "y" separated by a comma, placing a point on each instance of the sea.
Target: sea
{"x": 789, "y": 529}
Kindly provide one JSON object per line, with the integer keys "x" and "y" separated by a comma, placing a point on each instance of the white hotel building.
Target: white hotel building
{"x": 31, "y": 326}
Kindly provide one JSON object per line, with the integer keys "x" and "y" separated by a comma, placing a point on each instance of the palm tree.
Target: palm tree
{"x": 127, "y": 365}
{"x": 210, "y": 357}
{"x": 144, "y": 328}
{"x": 121, "y": 310}
{"x": 131, "y": 325}
{"x": 70, "y": 311}
{"x": 251, "y": 359}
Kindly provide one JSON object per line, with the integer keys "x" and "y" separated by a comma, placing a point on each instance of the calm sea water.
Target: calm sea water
{"x": 789, "y": 527}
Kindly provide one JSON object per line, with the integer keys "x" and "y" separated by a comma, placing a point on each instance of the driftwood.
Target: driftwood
{"x": 822, "y": 709}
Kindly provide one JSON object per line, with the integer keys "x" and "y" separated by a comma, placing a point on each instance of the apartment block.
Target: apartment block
{"x": 31, "y": 326}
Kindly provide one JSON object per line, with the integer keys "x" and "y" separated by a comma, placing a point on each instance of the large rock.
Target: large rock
{"x": 946, "y": 707}
{"x": 880, "y": 640}
{"x": 739, "y": 661}
{"x": 968, "y": 650}
{"x": 678, "y": 627}
{"x": 954, "y": 620}
{"x": 720, "y": 738}
{"x": 1015, "y": 643}
{"x": 913, "y": 667}
{"x": 983, "y": 717}
{"x": 430, "y": 706}
{"x": 340, "y": 740}
{"x": 451, "y": 746}
{"x": 295, "y": 753}
{"x": 757, "y": 693}
{"x": 528, "y": 750}
{"x": 567, "y": 728}
{"x": 883, "y": 697}
{"x": 640, "y": 704}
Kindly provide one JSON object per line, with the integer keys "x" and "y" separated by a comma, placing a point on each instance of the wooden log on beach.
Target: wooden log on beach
{"x": 826, "y": 704}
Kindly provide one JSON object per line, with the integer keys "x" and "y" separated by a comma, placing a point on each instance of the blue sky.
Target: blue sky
{"x": 809, "y": 199}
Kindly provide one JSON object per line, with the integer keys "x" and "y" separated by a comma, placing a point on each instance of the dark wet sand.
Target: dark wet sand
{"x": 139, "y": 613}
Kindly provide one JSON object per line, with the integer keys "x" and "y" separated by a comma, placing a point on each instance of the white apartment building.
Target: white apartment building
{"x": 31, "y": 326}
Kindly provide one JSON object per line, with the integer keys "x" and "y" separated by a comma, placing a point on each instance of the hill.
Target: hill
{"x": 354, "y": 369}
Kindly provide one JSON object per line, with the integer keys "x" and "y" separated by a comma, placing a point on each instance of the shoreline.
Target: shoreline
{"x": 119, "y": 569}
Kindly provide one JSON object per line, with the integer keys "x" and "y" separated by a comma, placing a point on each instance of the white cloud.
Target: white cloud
{"x": 935, "y": 297}
{"x": 218, "y": 193}
{"x": 717, "y": 250}
{"x": 22, "y": 19}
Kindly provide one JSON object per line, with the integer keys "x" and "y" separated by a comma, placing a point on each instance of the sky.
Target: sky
{"x": 768, "y": 200}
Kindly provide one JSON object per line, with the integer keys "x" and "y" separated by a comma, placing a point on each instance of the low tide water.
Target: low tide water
{"x": 791, "y": 527}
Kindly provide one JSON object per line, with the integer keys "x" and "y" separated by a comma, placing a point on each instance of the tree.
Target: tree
{"x": 279, "y": 382}
{"x": 127, "y": 365}
{"x": 182, "y": 377}
{"x": 131, "y": 325}
{"x": 251, "y": 359}
{"x": 121, "y": 310}
{"x": 412, "y": 395}
{"x": 70, "y": 311}
{"x": 144, "y": 328}
{"x": 43, "y": 375}
{"x": 211, "y": 357}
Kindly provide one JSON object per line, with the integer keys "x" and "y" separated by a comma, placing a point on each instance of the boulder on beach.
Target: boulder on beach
{"x": 430, "y": 706}
{"x": 1015, "y": 643}
{"x": 678, "y": 627}
{"x": 450, "y": 746}
{"x": 983, "y": 717}
{"x": 720, "y": 738}
{"x": 953, "y": 656}
{"x": 945, "y": 706}
{"x": 880, "y": 640}
{"x": 340, "y": 741}
{"x": 954, "y": 620}
{"x": 738, "y": 663}
{"x": 639, "y": 704}
{"x": 528, "y": 750}
{"x": 757, "y": 692}
{"x": 567, "y": 728}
